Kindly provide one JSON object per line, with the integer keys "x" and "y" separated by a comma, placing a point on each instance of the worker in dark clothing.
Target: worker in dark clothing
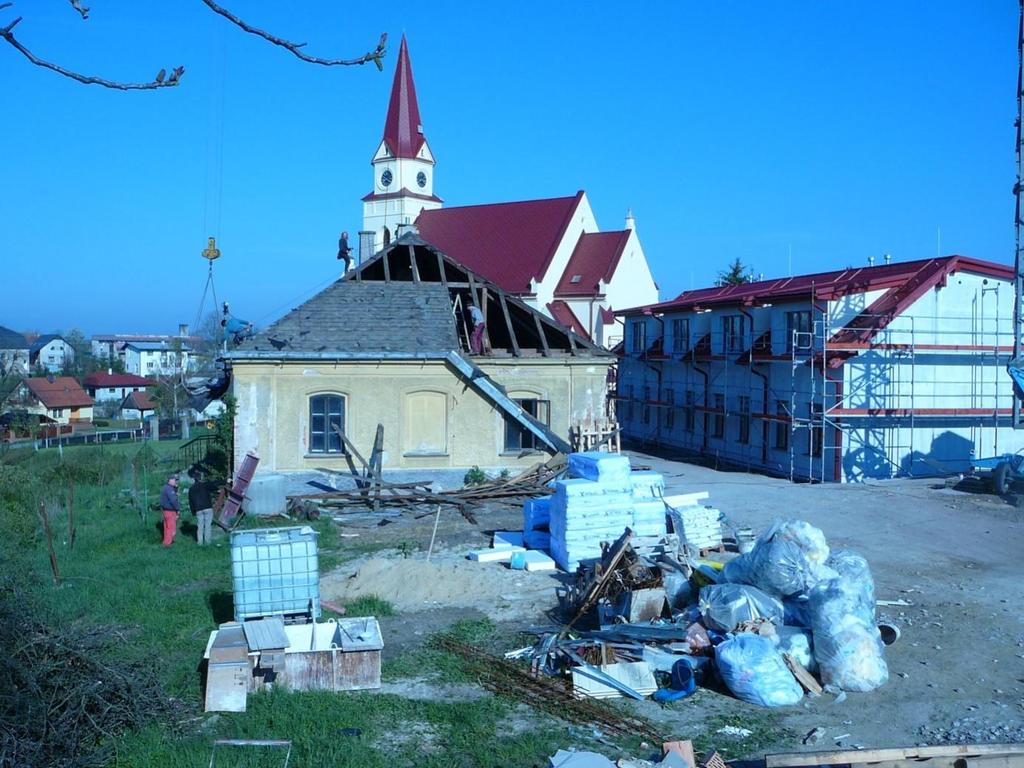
{"x": 200, "y": 497}
{"x": 344, "y": 251}
{"x": 169, "y": 505}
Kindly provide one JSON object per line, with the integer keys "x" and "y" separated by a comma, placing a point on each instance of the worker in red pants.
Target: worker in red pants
{"x": 169, "y": 505}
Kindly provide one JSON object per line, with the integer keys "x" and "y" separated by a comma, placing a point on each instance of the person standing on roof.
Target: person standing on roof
{"x": 200, "y": 502}
{"x": 169, "y": 505}
{"x": 476, "y": 341}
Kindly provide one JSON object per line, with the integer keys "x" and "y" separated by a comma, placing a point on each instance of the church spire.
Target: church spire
{"x": 403, "y": 132}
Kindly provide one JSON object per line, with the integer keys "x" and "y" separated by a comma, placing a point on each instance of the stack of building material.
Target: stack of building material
{"x": 536, "y": 519}
{"x": 648, "y": 489}
{"x": 611, "y": 468}
{"x": 699, "y": 526}
{"x": 585, "y": 513}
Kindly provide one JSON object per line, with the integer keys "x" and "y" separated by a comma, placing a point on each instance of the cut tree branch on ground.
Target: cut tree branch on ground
{"x": 376, "y": 55}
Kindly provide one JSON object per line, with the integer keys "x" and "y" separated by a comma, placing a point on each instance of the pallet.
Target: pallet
{"x": 705, "y": 551}
{"x": 951, "y": 756}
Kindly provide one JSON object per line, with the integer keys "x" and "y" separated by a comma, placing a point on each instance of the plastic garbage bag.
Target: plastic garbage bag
{"x": 752, "y": 668}
{"x": 847, "y": 643}
{"x": 787, "y": 559}
{"x": 736, "y": 571}
{"x": 797, "y": 611}
{"x": 798, "y": 643}
{"x": 723, "y": 606}
{"x": 850, "y": 656}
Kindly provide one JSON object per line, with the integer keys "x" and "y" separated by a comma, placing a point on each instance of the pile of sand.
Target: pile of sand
{"x": 449, "y": 580}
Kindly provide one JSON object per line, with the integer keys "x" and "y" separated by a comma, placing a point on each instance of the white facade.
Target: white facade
{"x": 149, "y": 359}
{"x": 108, "y": 394}
{"x": 55, "y": 355}
{"x": 402, "y": 188}
{"x": 631, "y": 285}
{"x": 922, "y": 395}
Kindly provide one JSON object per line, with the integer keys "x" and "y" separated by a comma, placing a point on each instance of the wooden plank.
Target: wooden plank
{"x": 440, "y": 266}
{"x": 540, "y": 333}
{"x": 871, "y": 756}
{"x": 353, "y": 450}
{"x": 508, "y": 323}
{"x": 376, "y": 456}
{"x": 413, "y": 264}
{"x": 387, "y": 267}
{"x": 805, "y": 678}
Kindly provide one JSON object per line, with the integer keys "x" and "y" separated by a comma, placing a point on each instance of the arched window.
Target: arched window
{"x": 325, "y": 413}
{"x": 426, "y": 423}
{"x": 387, "y": 236}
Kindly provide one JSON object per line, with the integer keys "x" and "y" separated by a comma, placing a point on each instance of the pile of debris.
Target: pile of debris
{"x": 767, "y": 625}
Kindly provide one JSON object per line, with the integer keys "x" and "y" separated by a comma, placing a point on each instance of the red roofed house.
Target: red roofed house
{"x": 110, "y": 386}
{"x": 896, "y": 369}
{"x": 549, "y": 253}
{"x": 137, "y": 405}
{"x": 60, "y": 399}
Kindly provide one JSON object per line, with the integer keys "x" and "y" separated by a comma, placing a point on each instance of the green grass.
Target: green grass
{"x": 370, "y": 605}
{"x": 169, "y": 600}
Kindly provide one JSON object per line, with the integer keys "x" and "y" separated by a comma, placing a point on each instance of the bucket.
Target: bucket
{"x": 890, "y": 632}
{"x": 745, "y": 539}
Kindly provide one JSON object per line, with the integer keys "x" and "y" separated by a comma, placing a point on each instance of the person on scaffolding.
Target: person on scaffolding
{"x": 476, "y": 341}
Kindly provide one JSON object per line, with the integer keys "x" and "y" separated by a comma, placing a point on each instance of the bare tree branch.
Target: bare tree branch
{"x": 376, "y": 56}
{"x": 82, "y": 10}
{"x": 7, "y": 33}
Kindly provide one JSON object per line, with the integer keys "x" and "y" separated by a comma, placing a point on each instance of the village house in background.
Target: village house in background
{"x": 137, "y": 405}
{"x": 52, "y": 353}
{"x": 896, "y": 369}
{"x": 106, "y": 386}
{"x": 14, "y": 352}
{"x": 158, "y": 358}
{"x": 549, "y": 253}
{"x": 108, "y": 348}
{"x": 390, "y": 344}
{"x": 58, "y": 399}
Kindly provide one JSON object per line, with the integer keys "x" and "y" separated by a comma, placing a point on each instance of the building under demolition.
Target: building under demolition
{"x": 389, "y": 347}
{"x": 896, "y": 369}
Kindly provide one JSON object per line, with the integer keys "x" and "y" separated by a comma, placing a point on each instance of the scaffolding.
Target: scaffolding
{"x": 857, "y": 392}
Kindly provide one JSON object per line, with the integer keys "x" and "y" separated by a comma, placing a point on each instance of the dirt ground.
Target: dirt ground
{"x": 957, "y": 556}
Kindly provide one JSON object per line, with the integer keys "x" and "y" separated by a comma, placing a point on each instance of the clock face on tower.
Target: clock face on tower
{"x": 421, "y": 179}
{"x": 386, "y": 178}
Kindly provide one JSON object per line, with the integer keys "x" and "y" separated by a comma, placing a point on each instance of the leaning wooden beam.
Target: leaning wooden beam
{"x": 508, "y": 323}
{"x": 540, "y": 333}
{"x": 355, "y": 452}
{"x": 387, "y": 268}
{"x": 440, "y": 266}
{"x": 413, "y": 265}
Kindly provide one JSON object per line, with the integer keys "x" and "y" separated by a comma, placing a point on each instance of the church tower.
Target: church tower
{"x": 403, "y": 167}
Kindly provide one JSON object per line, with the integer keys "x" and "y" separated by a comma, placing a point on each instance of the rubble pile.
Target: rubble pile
{"x": 648, "y": 615}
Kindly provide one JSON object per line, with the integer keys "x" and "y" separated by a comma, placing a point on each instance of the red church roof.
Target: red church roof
{"x": 508, "y": 243}
{"x": 403, "y": 131}
{"x": 594, "y": 259}
{"x": 832, "y": 285}
{"x": 564, "y": 315}
{"x": 61, "y": 392}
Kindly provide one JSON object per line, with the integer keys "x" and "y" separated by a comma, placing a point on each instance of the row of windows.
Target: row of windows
{"x": 733, "y": 329}
{"x": 426, "y": 424}
{"x": 716, "y": 418}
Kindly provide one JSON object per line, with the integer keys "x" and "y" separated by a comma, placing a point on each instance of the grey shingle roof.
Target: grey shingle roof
{"x": 355, "y": 319}
{"x": 11, "y": 339}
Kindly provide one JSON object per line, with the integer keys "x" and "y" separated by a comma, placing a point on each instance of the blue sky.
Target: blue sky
{"x": 832, "y": 131}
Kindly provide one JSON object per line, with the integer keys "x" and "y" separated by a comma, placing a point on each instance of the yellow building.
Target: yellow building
{"x": 390, "y": 345}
